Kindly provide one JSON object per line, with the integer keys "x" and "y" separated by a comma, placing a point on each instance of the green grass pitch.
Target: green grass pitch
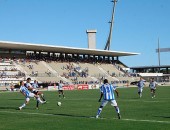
{"x": 79, "y": 108}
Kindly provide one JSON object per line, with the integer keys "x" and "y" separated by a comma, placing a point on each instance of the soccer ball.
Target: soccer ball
{"x": 59, "y": 103}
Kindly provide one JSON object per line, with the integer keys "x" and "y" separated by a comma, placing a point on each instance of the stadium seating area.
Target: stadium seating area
{"x": 9, "y": 73}
{"x": 45, "y": 71}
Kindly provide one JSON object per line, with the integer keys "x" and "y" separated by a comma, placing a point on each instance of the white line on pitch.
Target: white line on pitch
{"x": 45, "y": 114}
{"x": 153, "y": 121}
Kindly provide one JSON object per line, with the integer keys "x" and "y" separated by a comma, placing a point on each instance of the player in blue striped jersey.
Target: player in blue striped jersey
{"x": 107, "y": 92}
{"x": 27, "y": 95}
{"x": 34, "y": 90}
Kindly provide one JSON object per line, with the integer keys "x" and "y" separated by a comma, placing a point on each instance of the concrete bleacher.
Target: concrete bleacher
{"x": 82, "y": 79}
{"x": 93, "y": 70}
{"x": 48, "y": 79}
{"x": 2, "y": 64}
{"x": 55, "y": 71}
{"x": 59, "y": 67}
{"x": 6, "y": 67}
{"x": 46, "y": 72}
{"x": 110, "y": 69}
{"x": 9, "y": 74}
{"x": 116, "y": 72}
{"x": 37, "y": 66}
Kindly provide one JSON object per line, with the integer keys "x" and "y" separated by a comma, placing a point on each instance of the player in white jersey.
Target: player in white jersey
{"x": 34, "y": 90}
{"x": 107, "y": 92}
{"x": 152, "y": 86}
{"x": 140, "y": 85}
{"x": 60, "y": 89}
{"x": 27, "y": 95}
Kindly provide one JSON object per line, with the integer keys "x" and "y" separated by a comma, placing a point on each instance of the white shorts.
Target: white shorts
{"x": 30, "y": 95}
{"x": 154, "y": 88}
{"x": 140, "y": 90}
{"x": 113, "y": 102}
{"x": 27, "y": 99}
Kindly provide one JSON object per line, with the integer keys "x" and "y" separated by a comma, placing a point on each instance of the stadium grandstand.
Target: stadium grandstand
{"x": 49, "y": 64}
{"x": 161, "y": 73}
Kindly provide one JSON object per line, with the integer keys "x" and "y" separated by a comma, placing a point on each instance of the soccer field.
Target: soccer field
{"x": 79, "y": 108}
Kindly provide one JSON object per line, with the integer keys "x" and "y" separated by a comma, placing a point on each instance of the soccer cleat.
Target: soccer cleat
{"x": 44, "y": 102}
{"x": 97, "y": 116}
{"x": 119, "y": 116}
{"x": 20, "y": 108}
{"x": 140, "y": 95}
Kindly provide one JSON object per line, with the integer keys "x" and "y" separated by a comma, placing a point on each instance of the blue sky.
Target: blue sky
{"x": 137, "y": 26}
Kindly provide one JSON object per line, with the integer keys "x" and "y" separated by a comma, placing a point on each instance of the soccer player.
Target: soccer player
{"x": 28, "y": 85}
{"x": 107, "y": 92}
{"x": 35, "y": 91}
{"x": 152, "y": 86}
{"x": 35, "y": 84}
{"x": 140, "y": 85}
{"x": 60, "y": 89}
{"x": 27, "y": 95}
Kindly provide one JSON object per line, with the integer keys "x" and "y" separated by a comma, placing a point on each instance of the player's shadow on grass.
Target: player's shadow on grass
{"x": 76, "y": 116}
{"x": 137, "y": 98}
{"x": 7, "y": 107}
{"x": 16, "y": 99}
{"x": 14, "y": 108}
{"x": 163, "y": 116}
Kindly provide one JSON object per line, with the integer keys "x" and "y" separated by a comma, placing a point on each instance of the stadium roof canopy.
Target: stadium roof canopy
{"x": 148, "y": 67}
{"x": 60, "y": 49}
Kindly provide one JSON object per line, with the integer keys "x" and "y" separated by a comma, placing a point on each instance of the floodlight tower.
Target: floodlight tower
{"x": 107, "y": 46}
{"x": 159, "y": 61}
{"x": 159, "y": 50}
